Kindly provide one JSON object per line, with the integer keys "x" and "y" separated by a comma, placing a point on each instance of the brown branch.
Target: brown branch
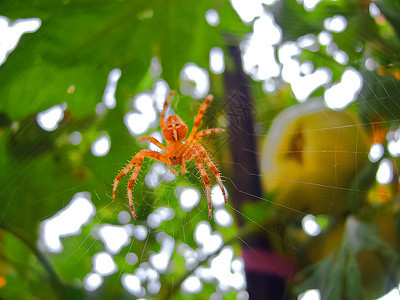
{"x": 245, "y": 172}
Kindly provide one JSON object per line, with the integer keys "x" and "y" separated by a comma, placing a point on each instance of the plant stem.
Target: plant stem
{"x": 54, "y": 279}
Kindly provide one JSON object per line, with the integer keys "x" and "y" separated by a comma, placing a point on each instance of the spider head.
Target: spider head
{"x": 174, "y": 129}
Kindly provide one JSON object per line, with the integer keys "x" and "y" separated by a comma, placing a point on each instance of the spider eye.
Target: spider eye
{"x": 177, "y": 125}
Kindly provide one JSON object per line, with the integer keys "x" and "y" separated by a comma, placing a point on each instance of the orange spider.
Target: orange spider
{"x": 177, "y": 152}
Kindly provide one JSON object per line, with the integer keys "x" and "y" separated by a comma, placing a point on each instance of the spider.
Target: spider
{"x": 177, "y": 151}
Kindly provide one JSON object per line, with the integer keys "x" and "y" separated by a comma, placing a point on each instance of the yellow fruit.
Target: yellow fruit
{"x": 375, "y": 275}
{"x": 311, "y": 157}
{"x": 320, "y": 247}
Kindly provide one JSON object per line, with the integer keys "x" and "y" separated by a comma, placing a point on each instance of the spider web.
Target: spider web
{"x": 146, "y": 263}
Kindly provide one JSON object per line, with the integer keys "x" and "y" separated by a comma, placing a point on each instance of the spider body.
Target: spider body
{"x": 177, "y": 152}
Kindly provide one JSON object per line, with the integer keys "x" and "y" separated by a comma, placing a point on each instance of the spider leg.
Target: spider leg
{"x": 188, "y": 155}
{"x": 154, "y": 141}
{"x": 136, "y": 161}
{"x": 208, "y": 131}
{"x": 123, "y": 172}
{"x": 171, "y": 169}
{"x": 205, "y": 178}
{"x": 213, "y": 168}
{"x": 200, "y": 114}
{"x": 183, "y": 167}
{"x": 132, "y": 180}
{"x": 202, "y": 133}
{"x": 165, "y": 108}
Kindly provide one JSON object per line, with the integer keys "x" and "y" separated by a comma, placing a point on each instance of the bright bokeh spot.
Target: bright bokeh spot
{"x": 158, "y": 173}
{"x": 309, "y": 5}
{"x": 143, "y": 117}
{"x": 137, "y": 124}
{"x": 287, "y": 51}
{"x": 160, "y": 93}
{"x": 393, "y": 144}
{"x": 160, "y": 215}
{"x": 101, "y": 146}
{"x": 343, "y": 93}
{"x": 371, "y": 64}
{"x": 190, "y": 256}
{"x": 67, "y": 222}
{"x": 159, "y": 137}
{"x": 140, "y": 232}
{"x": 208, "y": 241}
{"x": 394, "y": 148}
{"x": 384, "y": 175}
{"x": 374, "y": 11}
{"x": 307, "y": 67}
{"x": 243, "y": 295}
{"x": 217, "y": 60}
{"x": 75, "y": 138}
{"x": 133, "y": 285}
{"x": 308, "y": 41}
{"x": 155, "y": 67}
{"x": 212, "y": 17}
{"x": 154, "y": 287}
{"x": 144, "y": 103}
{"x": 161, "y": 260}
{"x": 223, "y": 218}
{"x": 310, "y": 295}
{"x": 217, "y": 198}
{"x": 336, "y": 23}
{"x": 270, "y": 85}
{"x": 227, "y": 270}
{"x": 247, "y": 10}
{"x": 302, "y": 85}
{"x": 310, "y": 225}
{"x": 193, "y": 74}
{"x": 101, "y": 109}
{"x": 324, "y": 38}
{"x": 376, "y": 152}
{"x": 145, "y": 272}
{"x": 115, "y": 237}
{"x": 92, "y": 282}
{"x": 340, "y": 57}
{"x": 189, "y": 198}
{"x": 258, "y": 48}
{"x": 394, "y": 294}
{"x": 49, "y": 119}
{"x": 192, "y": 285}
{"x": 109, "y": 92}
{"x": 124, "y": 217}
{"x": 131, "y": 258}
{"x": 104, "y": 264}
{"x": 11, "y": 33}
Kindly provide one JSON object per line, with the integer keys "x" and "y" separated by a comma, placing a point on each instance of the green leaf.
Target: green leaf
{"x": 338, "y": 276}
{"x": 379, "y": 98}
{"x": 391, "y": 10}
